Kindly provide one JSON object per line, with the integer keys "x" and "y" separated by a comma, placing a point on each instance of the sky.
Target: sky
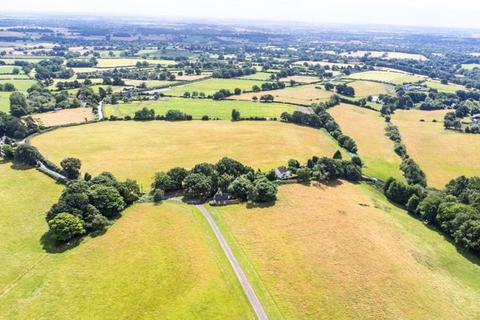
{"x": 436, "y": 13}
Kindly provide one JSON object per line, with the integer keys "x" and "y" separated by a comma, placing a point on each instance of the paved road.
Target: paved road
{"x": 247, "y": 288}
{"x": 100, "y": 111}
{"x": 51, "y": 173}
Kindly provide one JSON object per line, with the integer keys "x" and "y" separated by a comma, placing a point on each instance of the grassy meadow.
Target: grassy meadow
{"x": 128, "y": 62}
{"x": 344, "y": 252}
{"x": 448, "y": 88}
{"x": 210, "y": 86}
{"x": 386, "y": 76}
{"x": 62, "y": 117}
{"x": 301, "y": 79}
{"x": 139, "y": 149}
{"x": 200, "y": 107}
{"x": 305, "y": 94}
{"x": 143, "y": 266}
{"x": 367, "y": 128}
{"x": 20, "y": 84}
{"x": 5, "y": 101}
{"x": 262, "y": 76}
{"x": 442, "y": 154}
{"x": 364, "y": 89}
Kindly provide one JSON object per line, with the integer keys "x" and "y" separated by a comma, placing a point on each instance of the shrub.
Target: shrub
{"x": 263, "y": 191}
{"x": 66, "y": 226}
{"x": 71, "y": 167}
{"x": 27, "y": 154}
{"x": 303, "y": 174}
{"x": 198, "y": 185}
{"x": 106, "y": 199}
{"x": 240, "y": 188}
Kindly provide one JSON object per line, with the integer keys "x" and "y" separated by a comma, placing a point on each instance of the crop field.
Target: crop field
{"x": 127, "y": 62}
{"x": 301, "y": 79}
{"x": 200, "y": 107}
{"x": 263, "y": 76}
{"x": 210, "y": 86}
{"x": 442, "y": 154}
{"x": 448, "y": 88}
{"x": 305, "y": 95}
{"x": 20, "y": 85}
{"x": 386, "y": 76}
{"x": 144, "y": 265}
{"x": 191, "y": 77}
{"x": 139, "y": 149}
{"x": 367, "y": 128}
{"x": 364, "y": 89}
{"x": 65, "y": 116}
{"x": 344, "y": 252}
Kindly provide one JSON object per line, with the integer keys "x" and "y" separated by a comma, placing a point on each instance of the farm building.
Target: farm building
{"x": 282, "y": 173}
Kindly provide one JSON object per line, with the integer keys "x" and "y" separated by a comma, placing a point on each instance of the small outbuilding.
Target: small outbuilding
{"x": 282, "y": 173}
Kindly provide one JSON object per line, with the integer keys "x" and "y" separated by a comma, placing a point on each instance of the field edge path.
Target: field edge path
{"x": 247, "y": 287}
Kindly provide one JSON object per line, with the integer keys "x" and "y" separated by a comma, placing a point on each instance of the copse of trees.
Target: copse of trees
{"x": 89, "y": 206}
{"x": 7, "y": 87}
{"x": 16, "y": 128}
{"x": 455, "y": 210}
{"x": 345, "y": 90}
{"x": 146, "y": 114}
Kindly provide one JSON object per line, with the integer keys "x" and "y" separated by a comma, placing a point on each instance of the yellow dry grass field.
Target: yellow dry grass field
{"x": 305, "y": 95}
{"x": 386, "y": 76}
{"x": 442, "y": 154}
{"x": 139, "y": 149}
{"x": 367, "y": 128}
{"x": 343, "y": 252}
{"x": 65, "y": 116}
{"x": 301, "y": 79}
{"x": 191, "y": 77}
{"x": 364, "y": 89}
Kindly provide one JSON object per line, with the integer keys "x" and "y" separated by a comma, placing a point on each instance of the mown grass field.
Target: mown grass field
{"x": 144, "y": 266}
{"x": 344, "y": 252}
{"x": 306, "y": 94}
{"x": 386, "y": 76}
{"x": 448, "y": 88}
{"x": 8, "y": 69}
{"x": 65, "y": 116}
{"x": 210, "y": 86}
{"x": 148, "y": 83}
{"x": 367, "y": 128}
{"x": 20, "y": 84}
{"x": 139, "y": 149}
{"x": 301, "y": 79}
{"x": 200, "y": 107}
{"x": 364, "y": 89}
{"x": 5, "y": 101}
{"x": 128, "y": 62}
{"x": 263, "y": 76}
{"x": 442, "y": 154}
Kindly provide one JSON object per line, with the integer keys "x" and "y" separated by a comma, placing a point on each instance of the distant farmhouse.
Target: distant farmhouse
{"x": 282, "y": 173}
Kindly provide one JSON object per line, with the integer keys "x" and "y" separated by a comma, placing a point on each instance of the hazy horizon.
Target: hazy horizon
{"x": 427, "y": 13}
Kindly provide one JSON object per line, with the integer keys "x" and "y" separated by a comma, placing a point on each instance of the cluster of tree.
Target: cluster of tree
{"x": 7, "y": 87}
{"x": 52, "y": 69}
{"x": 266, "y": 98}
{"x": 89, "y": 97}
{"x": 222, "y": 94}
{"x": 452, "y": 120}
{"x": 411, "y": 170}
{"x": 321, "y": 119}
{"x": 455, "y": 210}
{"x": 268, "y": 86}
{"x": 233, "y": 72}
{"x": 205, "y": 179}
{"x": 195, "y": 94}
{"x": 146, "y": 114}
{"x": 344, "y": 89}
{"x": 16, "y": 128}
{"x": 82, "y": 63}
{"x": 89, "y": 205}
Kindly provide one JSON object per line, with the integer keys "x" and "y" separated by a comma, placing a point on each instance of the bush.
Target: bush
{"x": 240, "y": 188}
{"x": 198, "y": 185}
{"x": 71, "y": 167}
{"x": 263, "y": 191}
{"x": 303, "y": 174}
{"x": 66, "y": 226}
{"x": 106, "y": 199}
{"x": 27, "y": 154}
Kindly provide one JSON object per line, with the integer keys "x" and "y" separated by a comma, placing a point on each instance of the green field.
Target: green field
{"x": 470, "y": 66}
{"x": 367, "y": 128}
{"x": 448, "y": 88}
{"x": 263, "y": 76}
{"x": 128, "y": 62}
{"x": 143, "y": 266}
{"x": 344, "y": 252}
{"x": 11, "y": 61}
{"x": 200, "y": 107}
{"x": 386, "y": 76}
{"x": 139, "y": 149}
{"x": 5, "y": 101}
{"x": 8, "y": 69}
{"x": 20, "y": 85}
{"x": 364, "y": 89}
{"x": 210, "y": 86}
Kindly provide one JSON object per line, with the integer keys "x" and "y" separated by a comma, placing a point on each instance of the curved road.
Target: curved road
{"x": 247, "y": 288}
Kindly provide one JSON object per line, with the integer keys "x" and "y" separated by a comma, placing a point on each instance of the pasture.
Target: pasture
{"x": 305, "y": 95}
{"x": 301, "y": 79}
{"x": 5, "y": 101}
{"x": 148, "y": 83}
{"x": 210, "y": 86}
{"x": 65, "y": 116}
{"x": 139, "y": 149}
{"x": 367, "y": 128}
{"x": 143, "y": 266}
{"x": 448, "y": 88}
{"x": 324, "y": 63}
{"x": 442, "y": 154}
{"x": 386, "y": 76}
{"x": 8, "y": 69}
{"x": 471, "y": 66}
{"x": 129, "y": 62}
{"x": 364, "y": 89}
{"x": 20, "y": 84}
{"x": 344, "y": 252}
{"x": 200, "y": 107}
{"x": 262, "y": 76}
